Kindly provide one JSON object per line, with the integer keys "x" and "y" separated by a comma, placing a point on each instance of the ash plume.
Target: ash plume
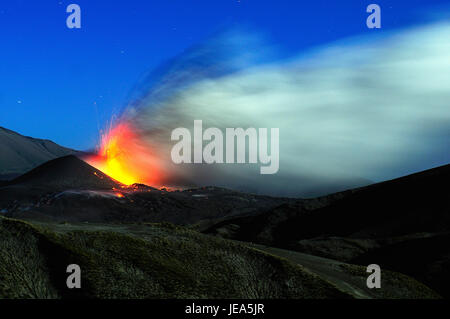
{"x": 349, "y": 113}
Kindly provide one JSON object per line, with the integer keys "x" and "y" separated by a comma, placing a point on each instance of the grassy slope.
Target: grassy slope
{"x": 352, "y": 278}
{"x": 146, "y": 261}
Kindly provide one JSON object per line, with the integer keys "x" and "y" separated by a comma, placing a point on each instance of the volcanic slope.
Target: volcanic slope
{"x": 20, "y": 154}
{"x": 68, "y": 172}
{"x": 68, "y": 189}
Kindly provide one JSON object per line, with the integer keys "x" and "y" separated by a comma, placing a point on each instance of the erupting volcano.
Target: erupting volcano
{"x": 125, "y": 157}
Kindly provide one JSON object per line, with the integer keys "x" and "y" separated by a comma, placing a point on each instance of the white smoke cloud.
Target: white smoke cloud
{"x": 353, "y": 111}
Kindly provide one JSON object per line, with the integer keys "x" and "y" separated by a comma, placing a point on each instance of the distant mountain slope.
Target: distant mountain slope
{"x": 20, "y": 154}
{"x": 411, "y": 204}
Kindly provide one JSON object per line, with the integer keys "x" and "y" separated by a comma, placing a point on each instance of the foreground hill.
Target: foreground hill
{"x": 426, "y": 258}
{"x": 160, "y": 261}
{"x": 163, "y": 261}
{"x": 22, "y": 153}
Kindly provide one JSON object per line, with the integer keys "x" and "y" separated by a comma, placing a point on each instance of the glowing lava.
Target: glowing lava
{"x": 125, "y": 158}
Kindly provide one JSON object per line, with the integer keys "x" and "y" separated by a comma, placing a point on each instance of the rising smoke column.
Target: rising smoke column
{"x": 349, "y": 112}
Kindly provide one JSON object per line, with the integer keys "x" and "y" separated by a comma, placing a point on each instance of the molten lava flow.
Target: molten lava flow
{"x": 124, "y": 157}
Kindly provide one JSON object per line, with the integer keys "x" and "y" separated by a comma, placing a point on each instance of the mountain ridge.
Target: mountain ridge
{"x": 22, "y": 153}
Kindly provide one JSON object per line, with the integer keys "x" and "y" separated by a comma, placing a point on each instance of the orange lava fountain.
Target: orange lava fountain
{"x": 125, "y": 158}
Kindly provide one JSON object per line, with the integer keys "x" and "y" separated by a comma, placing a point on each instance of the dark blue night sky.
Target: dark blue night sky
{"x": 65, "y": 84}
